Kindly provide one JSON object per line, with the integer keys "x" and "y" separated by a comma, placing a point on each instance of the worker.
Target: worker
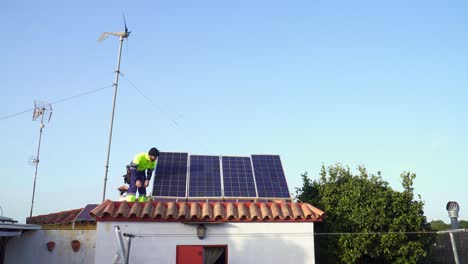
{"x": 141, "y": 164}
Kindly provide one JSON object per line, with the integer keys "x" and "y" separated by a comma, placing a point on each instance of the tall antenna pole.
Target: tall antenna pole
{"x": 116, "y": 84}
{"x": 122, "y": 36}
{"x": 40, "y": 109}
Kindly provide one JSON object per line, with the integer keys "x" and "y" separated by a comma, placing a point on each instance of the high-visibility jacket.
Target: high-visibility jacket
{"x": 142, "y": 162}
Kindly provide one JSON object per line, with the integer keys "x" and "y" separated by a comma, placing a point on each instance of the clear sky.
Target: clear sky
{"x": 383, "y": 85}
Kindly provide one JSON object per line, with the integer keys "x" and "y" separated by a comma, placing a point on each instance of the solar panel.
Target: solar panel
{"x": 171, "y": 175}
{"x": 269, "y": 176}
{"x": 238, "y": 177}
{"x": 205, "y": 176}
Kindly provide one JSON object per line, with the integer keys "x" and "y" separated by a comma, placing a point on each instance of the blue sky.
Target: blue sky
{"x": 318, "y": 82}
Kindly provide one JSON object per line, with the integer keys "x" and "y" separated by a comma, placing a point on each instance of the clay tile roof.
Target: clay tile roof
{"x": 265, "y": 211}
{"x": 207, "y": 211}
{"x": 64, "y": 217}
{"x": 231, "y": 211}
{"x": 195, "y": 211}
{"x": 147, "y": 210}
{"x": 162, "y": 211}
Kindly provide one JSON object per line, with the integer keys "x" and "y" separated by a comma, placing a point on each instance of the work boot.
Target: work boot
{"x": 130, "y": 197}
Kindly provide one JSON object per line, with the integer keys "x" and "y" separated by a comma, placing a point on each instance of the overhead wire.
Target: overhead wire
{"x": 19, "y": 113}
{"x": 142, "y": 235}
{"x": 152, "y": 103}
{"x": 82, "y": 94}
{"x": 59, "y": 101}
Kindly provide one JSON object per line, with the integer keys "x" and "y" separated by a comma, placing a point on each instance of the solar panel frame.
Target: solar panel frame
{"x": 238, "y": 178}
{"x": 204, "y": 176}
{"x": 170, "y": 179}
{"x": 269, "y": 176}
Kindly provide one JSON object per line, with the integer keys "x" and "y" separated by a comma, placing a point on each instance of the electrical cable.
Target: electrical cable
{"x": 302, "y": 234}
{"x": 174, "y": 121}
{"x": 59, "y": 101}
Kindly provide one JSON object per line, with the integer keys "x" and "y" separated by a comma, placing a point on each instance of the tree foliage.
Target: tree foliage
{"x": 364, "y": 203}
{"x": 463, "y": 224}
{"x": 439, "y": 225}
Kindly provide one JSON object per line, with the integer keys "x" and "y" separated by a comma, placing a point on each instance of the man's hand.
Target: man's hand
{"x": 138, "y": 184}
{"x": 146, "y": 183}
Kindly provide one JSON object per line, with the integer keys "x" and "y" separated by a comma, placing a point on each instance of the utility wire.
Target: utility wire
{"x": 12, "y": 115}
{"x": 303, "y": 234}
{"x": 81, "y": 94}
{"x": 174, "y": 121}
{"x": 59, "y": 101}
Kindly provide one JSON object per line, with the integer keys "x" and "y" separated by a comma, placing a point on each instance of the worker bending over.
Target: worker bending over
{"x": 141, "y": 170}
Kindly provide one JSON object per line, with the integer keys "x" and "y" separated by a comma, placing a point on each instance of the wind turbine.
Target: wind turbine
{"x": 122, "y": 35}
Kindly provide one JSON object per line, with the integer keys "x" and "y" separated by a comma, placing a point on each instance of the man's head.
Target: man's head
{"x": 153, "y": 154}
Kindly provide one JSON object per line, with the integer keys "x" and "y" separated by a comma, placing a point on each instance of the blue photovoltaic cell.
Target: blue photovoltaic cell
{"x": 205, "y": 176}
{"x": 238, "y": 177}
{"x": 171, "y": 174}
{"x": 269, "y": 176}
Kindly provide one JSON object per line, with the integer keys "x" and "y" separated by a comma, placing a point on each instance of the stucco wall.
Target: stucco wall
{"x": 247, "y": 242}
{"x": 31, "y": 247}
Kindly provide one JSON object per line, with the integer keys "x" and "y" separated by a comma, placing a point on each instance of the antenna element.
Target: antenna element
{"x": 43, "y": 113}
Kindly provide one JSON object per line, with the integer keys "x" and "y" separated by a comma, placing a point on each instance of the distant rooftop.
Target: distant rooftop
{"x": 75, "y": 216}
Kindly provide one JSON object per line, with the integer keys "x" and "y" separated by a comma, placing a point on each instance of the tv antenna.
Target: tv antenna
{"x": 122, "y": 35}
{"x": 43, "y": 113}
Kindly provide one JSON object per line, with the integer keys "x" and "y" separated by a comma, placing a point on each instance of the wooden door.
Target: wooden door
{"x": 189, "y": 255}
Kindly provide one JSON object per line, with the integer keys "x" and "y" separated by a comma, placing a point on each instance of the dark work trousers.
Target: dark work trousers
{"x": 135, "y": 176}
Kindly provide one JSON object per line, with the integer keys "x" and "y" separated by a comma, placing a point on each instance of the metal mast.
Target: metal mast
{"x": 41, "y": 109}
{"x": 122, "y": 35}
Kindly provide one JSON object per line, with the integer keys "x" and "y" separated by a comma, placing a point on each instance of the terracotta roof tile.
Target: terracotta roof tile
{"x": 206, "y": 211}
{"x": 123, "y": 210}
{"x": 184, "y": 211}
{"x": 297, "y": 211}
{"x": 266, "y": 211}
{"x": 286, "y": 211}
{"x": 109, "y": 209}
{"x": 231, "y": 210}
{"x": 244, "y": 213}
{"x": 160, "y": 211}
{"x": 218, "y": 212}
{"x": 171, "y": 212}
{"x": 195, "y": 211}
{"x": 64, "y": 217}
{"x": 276, "y": 211}
{"x": 147, "y": 210}
{"x": 255, "y": 212}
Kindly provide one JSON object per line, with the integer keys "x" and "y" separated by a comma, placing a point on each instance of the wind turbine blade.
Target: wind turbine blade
{"x": 125, "y": 23}
{"x": 103, "y": 36}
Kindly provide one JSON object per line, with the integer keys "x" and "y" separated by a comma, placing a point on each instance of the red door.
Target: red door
{"x": 189, "y": 255}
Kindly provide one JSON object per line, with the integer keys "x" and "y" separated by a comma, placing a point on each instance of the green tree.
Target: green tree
{"x": 463, "y": 224}
{"x": 372, "y": 215}
{"x": 439, "y": 225}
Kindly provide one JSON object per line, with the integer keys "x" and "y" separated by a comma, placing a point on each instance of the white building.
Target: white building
{"x": 236, "y": 232}
{"x": 166, "y": 232}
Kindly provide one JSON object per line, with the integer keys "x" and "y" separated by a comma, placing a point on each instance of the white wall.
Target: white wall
{"x": 31, "y": 247}
{"x": 247, "y": 242}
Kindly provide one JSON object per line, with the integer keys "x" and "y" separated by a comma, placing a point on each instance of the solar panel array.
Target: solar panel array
{"x": 180, "y": 175}
{"x": 269, "y": 175}
{"x": 170, "y": 177}
{"x": 238, "y": 177}
{"x": 205, "y": 176}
